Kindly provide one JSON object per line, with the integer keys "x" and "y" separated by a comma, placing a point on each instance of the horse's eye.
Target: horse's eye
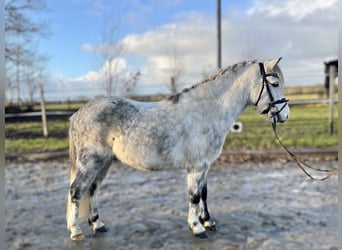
{"x": 275, "y": 84}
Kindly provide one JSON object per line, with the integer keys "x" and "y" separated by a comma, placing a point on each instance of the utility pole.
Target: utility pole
{"x": 218, "y": 26}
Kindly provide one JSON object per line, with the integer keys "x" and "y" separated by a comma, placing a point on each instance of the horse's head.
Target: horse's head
{"x": 270, "y": 98}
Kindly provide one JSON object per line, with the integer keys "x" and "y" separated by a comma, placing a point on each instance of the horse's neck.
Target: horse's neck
{"x": 237, "y": 97}
{"x": 228, "y": 96}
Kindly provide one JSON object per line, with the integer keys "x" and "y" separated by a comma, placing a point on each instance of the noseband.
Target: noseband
{"x": 267, "y": 83}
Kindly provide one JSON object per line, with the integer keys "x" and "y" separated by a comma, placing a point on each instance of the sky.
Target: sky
{"x": 152, "y": 32}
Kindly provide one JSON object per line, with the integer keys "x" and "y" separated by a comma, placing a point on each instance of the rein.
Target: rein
{"x": 302, "y": 165}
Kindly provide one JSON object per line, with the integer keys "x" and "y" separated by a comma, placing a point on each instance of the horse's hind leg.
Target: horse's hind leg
{"x": 72, "y": 215}
{"x": 93, "y": 219}
{"x": 87, "y": 168}
{"x": 78, "y": 189}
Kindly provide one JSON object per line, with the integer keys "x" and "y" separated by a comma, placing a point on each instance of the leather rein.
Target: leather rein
{"x": 302, "y": 165}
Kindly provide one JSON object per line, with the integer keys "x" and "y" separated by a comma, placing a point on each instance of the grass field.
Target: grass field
{"x": 307, "y": 127}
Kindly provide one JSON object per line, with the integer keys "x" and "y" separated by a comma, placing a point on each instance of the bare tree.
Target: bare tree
{"x": 20, "y": 32}
{"x": 174, "y": 71}
{"x": 34, "y": 75}
{"x": 131, "y": 82}
{"x": 110, "y": 51}
{"x": 114, "y": 77}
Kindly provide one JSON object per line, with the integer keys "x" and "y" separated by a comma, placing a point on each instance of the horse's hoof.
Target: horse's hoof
{"x": 78, "y": 237}
{"x": 211, "y": 228}
{"x": 202, "y": 235}
{"x": 102, "y": 229}
{"x": 210, "y": 225}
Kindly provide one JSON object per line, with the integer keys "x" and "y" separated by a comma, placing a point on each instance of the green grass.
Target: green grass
{"x": 28, "y": 136}
{"x": 36, "y": 145}
{"x": 307, "y": 127}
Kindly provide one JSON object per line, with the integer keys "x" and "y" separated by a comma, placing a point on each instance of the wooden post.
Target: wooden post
{"x": 332, "y": 72}
{"x": 43, "y": 111}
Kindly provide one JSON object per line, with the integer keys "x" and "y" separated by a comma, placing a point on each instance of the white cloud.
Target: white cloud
{"x": 193, "y": 38}
{"x": 303, "y": 32}
{"x": 87, "y": 47}
{"x": 304, "y": 45}
{"x": 296, "y": 9}
{"x": 116, "y": 66}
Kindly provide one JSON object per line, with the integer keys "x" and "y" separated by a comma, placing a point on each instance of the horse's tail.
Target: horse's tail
{"x": 84, "y": 206}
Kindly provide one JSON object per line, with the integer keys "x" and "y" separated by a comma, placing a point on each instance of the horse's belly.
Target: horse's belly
{"x": 143, "y": 158}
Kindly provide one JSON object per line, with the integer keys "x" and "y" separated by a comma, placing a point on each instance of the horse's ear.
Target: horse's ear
{"x": 270, "y": 65}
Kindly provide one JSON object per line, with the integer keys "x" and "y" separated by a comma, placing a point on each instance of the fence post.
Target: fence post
{"x": 43, "y": 111}
{"x": 332, "y": 73}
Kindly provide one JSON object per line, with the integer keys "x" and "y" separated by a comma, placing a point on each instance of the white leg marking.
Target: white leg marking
{"x": 75, "y": 230}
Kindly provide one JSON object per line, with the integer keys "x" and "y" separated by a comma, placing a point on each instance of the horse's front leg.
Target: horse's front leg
{"x": 195, "y": 184}
{"x": 204, "y": 215}
{"x": 93, "y": 219}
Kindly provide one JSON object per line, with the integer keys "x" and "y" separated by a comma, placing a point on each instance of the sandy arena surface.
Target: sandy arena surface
{"x": 268, "y": 205}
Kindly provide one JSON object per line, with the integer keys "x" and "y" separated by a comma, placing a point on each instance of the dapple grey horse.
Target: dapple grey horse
{"x": 185, "y": 131}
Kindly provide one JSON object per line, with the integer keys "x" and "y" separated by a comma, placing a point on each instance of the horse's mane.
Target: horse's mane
{"x": 219, "y": 74}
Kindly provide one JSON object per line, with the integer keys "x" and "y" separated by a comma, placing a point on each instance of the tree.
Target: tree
{"x": 114, "y": 77}
{"x": 21, "y": 31}
{"x": 131, "y": 82}
{"x": 34, "y": 75}
{"x": 174, "y": 70}
{"x": 110, "y": 51}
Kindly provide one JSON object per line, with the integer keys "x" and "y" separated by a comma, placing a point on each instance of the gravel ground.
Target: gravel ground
{"x": 270, "y": 205}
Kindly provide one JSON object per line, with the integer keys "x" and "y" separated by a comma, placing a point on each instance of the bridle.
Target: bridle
{"x": 266, "y": 83}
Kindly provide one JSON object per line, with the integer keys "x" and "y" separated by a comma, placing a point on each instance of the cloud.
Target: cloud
{"x": 87, "y": 47}
{"x": 193, "y": 38}
{"x": 89, "y": 84}
{"x": 105, "y": 50}
{"x": 303, "y": 44}
{"x": 296, "y": 9}
{"x": 116, "y": 66}
{"x": 304, "y": 36}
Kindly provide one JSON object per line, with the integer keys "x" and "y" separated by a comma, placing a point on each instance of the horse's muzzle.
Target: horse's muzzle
{"x": 279, "y": 115}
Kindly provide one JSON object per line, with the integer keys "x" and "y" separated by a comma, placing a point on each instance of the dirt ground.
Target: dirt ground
{"x": 270, "y": 205}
